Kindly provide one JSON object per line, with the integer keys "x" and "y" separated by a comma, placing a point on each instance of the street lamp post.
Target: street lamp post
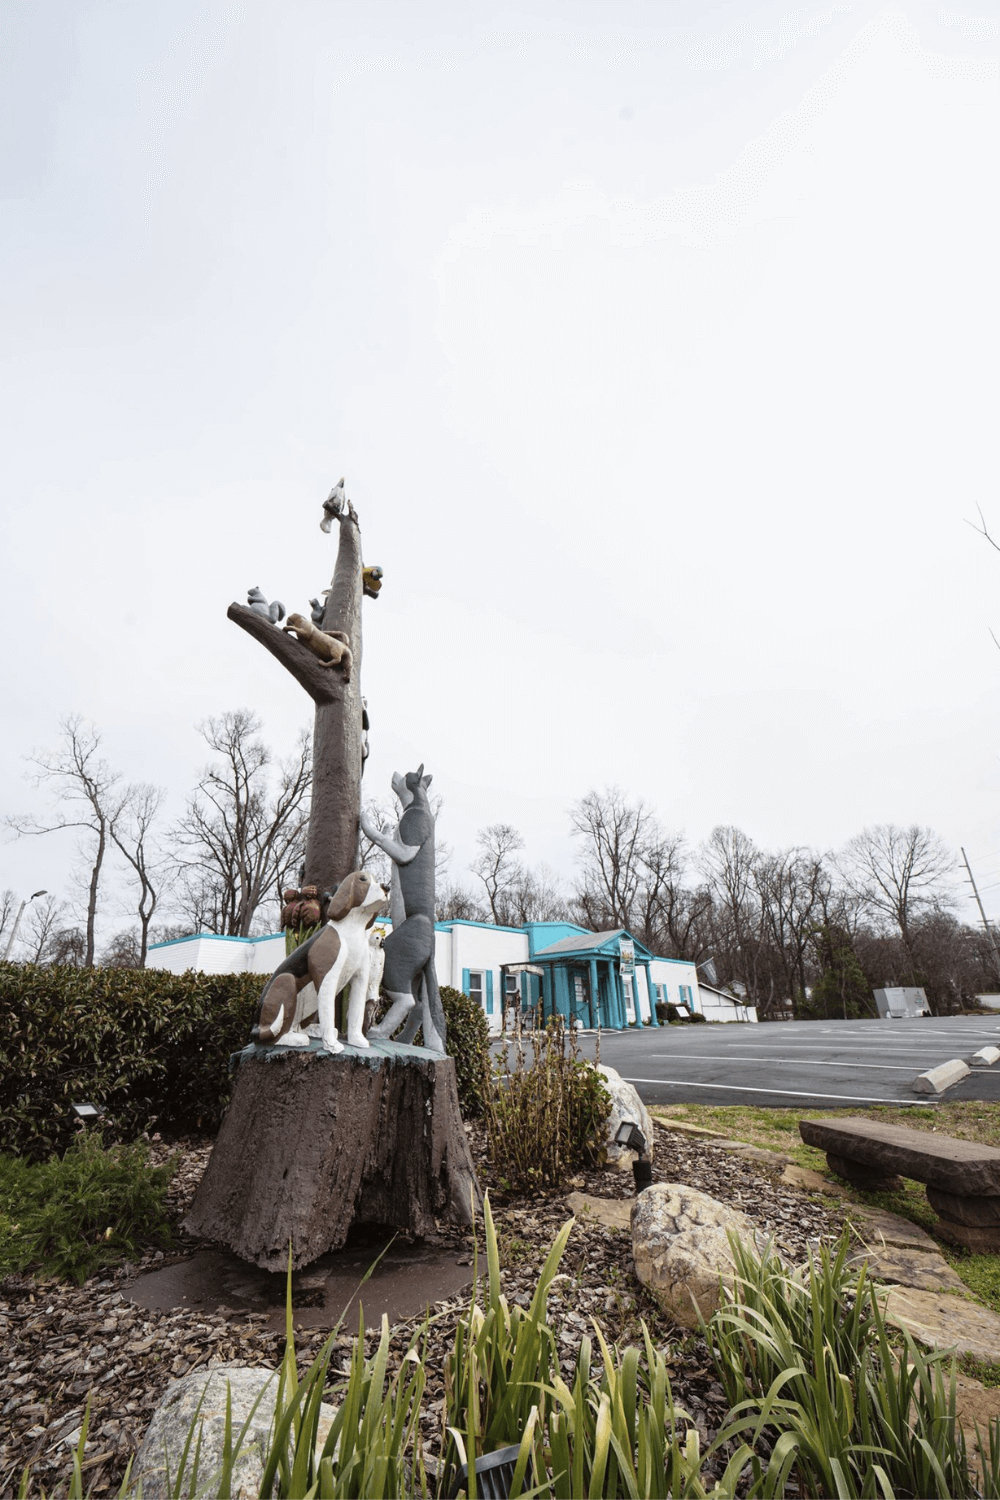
{"x": 17, "y": 922}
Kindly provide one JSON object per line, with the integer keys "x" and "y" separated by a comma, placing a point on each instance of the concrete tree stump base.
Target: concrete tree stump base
{"x": 313, "y": 1143}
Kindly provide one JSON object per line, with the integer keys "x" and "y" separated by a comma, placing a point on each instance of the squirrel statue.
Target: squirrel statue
{"x": 257, "y": 602}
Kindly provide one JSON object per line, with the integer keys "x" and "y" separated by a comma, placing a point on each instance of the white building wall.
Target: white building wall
{"x": 480, "y": 949}
{"x": 209, "y": 954}
{"x": 673, "y": 973}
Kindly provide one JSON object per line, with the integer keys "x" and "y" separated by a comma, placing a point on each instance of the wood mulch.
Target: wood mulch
{"x": 65, "y": 1344}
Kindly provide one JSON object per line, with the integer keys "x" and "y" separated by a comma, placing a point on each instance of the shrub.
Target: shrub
{"x": 469, "y": 1045}
{"x": 544, "y": 1119}
{"x": 93, "y": 1208}
{"x": 145, "y": 1044}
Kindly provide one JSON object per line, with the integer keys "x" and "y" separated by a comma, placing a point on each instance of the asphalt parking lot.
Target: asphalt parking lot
{"x": 798, "y": 1064}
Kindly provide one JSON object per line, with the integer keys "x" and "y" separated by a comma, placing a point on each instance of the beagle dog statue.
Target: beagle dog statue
{"x": 307, "y": 984}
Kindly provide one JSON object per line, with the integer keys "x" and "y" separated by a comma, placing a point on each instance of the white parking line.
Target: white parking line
{"x": 802, "y": 1061}
{"x": 735, "y": 1088}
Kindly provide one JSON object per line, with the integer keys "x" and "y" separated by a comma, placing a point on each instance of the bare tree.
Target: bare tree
{"x": 793, "y": 888}
{"x": 239, "y": 839}
{"x": 613, "y": 835}
{"x": 898, "y": 875}
{"x": 9, "y": 905}
{"x": 496, "y": 866}
{"x": 86, "y": 796}
{"x": 453, "y": 903}
{"x": 132, "y": 834}
{"x": 535, "y": 896}
{"x": 127, "y": 950}
{"x": 68, "y": 946}
{"x": 44, "y": 919}
{"x": 370, "y": 856}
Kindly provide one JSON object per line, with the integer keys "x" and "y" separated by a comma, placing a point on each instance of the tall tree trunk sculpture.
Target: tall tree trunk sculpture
{"x": 399, "y": 1156}
{"x": 332, "y": 837}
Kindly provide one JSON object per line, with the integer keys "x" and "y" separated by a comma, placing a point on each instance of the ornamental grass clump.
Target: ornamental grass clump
{"x": 823, "y": 1403}
{"x": 545, "y": 1114}
{"x": 610, "y": 1430}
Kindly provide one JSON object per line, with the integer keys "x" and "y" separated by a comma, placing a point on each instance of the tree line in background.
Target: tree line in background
{"x": 216, "y": 868}
{"x": 795, "y": 931}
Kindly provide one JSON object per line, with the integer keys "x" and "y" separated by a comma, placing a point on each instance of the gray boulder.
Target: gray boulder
{"x": 681, "y": 1248}
{"x": 625, "y": 1105}
{"x": 158, "y": 1461}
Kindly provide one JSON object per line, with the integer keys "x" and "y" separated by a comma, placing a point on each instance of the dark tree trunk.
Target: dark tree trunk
{"x": 314, "y": 1143}
{"x": 332, "y": 837}
{"x": 95, "y": 877}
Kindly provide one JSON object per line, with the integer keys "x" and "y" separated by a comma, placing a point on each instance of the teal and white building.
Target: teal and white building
{"x": 591, "y": 979}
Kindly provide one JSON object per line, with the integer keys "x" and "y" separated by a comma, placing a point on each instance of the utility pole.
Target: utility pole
{"x": 989, "y": 930}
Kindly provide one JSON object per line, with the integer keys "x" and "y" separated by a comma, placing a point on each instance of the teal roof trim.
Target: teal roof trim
{"x": 603, "y": 944}
{"x": 464, "y": 922}
{"x": 216, "y": 937}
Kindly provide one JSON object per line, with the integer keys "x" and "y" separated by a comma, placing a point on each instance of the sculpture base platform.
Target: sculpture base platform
{"x": 314, "y": 1142}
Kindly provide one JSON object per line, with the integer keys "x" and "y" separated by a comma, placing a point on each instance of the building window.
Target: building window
{"x": 629, "y": 997}
{"x": 685, "y": 990}
{"x": 477, "y": 987}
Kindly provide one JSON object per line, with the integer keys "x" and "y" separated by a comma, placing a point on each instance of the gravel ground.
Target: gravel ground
{"x": 65, "y": 1343}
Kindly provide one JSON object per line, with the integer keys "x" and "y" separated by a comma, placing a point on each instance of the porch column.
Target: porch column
{"x": 616, "y": 998}
{"x": 547, "y": 996}
{"x": 561, "y": 988}
{"x": 651, "y": 990}
{"x": 594, "y": 996}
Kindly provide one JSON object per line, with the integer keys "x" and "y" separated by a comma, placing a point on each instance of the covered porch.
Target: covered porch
{"x": 593, "y": 979}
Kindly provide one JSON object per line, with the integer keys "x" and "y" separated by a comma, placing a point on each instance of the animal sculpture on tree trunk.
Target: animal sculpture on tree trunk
{"x": 308, "y": 982}
{"x": 410, "y": 978}
{"x": 333, "y": 647}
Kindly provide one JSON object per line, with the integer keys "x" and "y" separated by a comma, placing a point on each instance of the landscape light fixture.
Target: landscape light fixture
{"x": 631, "y": 1137}
{"x": 87, "y": 1113}
{"x": 17, "y": 922}
{"x": 494, "y": 1474}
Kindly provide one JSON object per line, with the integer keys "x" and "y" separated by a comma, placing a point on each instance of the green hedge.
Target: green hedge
{"x": 152, "y": 1048}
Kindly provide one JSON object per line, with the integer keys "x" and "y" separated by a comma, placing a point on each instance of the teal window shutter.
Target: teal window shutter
{"x": 489, "y": 992}
{"x": 465, "y": 981}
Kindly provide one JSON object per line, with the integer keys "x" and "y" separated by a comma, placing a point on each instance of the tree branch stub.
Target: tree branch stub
{"x": 319, "y": 682}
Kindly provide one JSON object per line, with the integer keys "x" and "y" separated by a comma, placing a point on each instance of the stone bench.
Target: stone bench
{"x": 962, "y": 1178}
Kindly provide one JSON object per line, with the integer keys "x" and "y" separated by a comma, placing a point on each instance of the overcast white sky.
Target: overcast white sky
{"x": 657, "y": 342}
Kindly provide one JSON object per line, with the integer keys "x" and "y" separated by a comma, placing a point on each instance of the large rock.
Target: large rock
{"x": 945, "y": 1322}
{"x": 876, "y": 1226}
{"x": 925, "y": 1269}
{"x": 162, "y": 1448}
{"x": 670, "y": 1122}
{"x": 812, "y": 1182}
{"x": 681, "y": 1248}
{"x": 961, "y": 1167}
{"x": 613, "y": 1213}
{"x": 625, "y": 1105}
